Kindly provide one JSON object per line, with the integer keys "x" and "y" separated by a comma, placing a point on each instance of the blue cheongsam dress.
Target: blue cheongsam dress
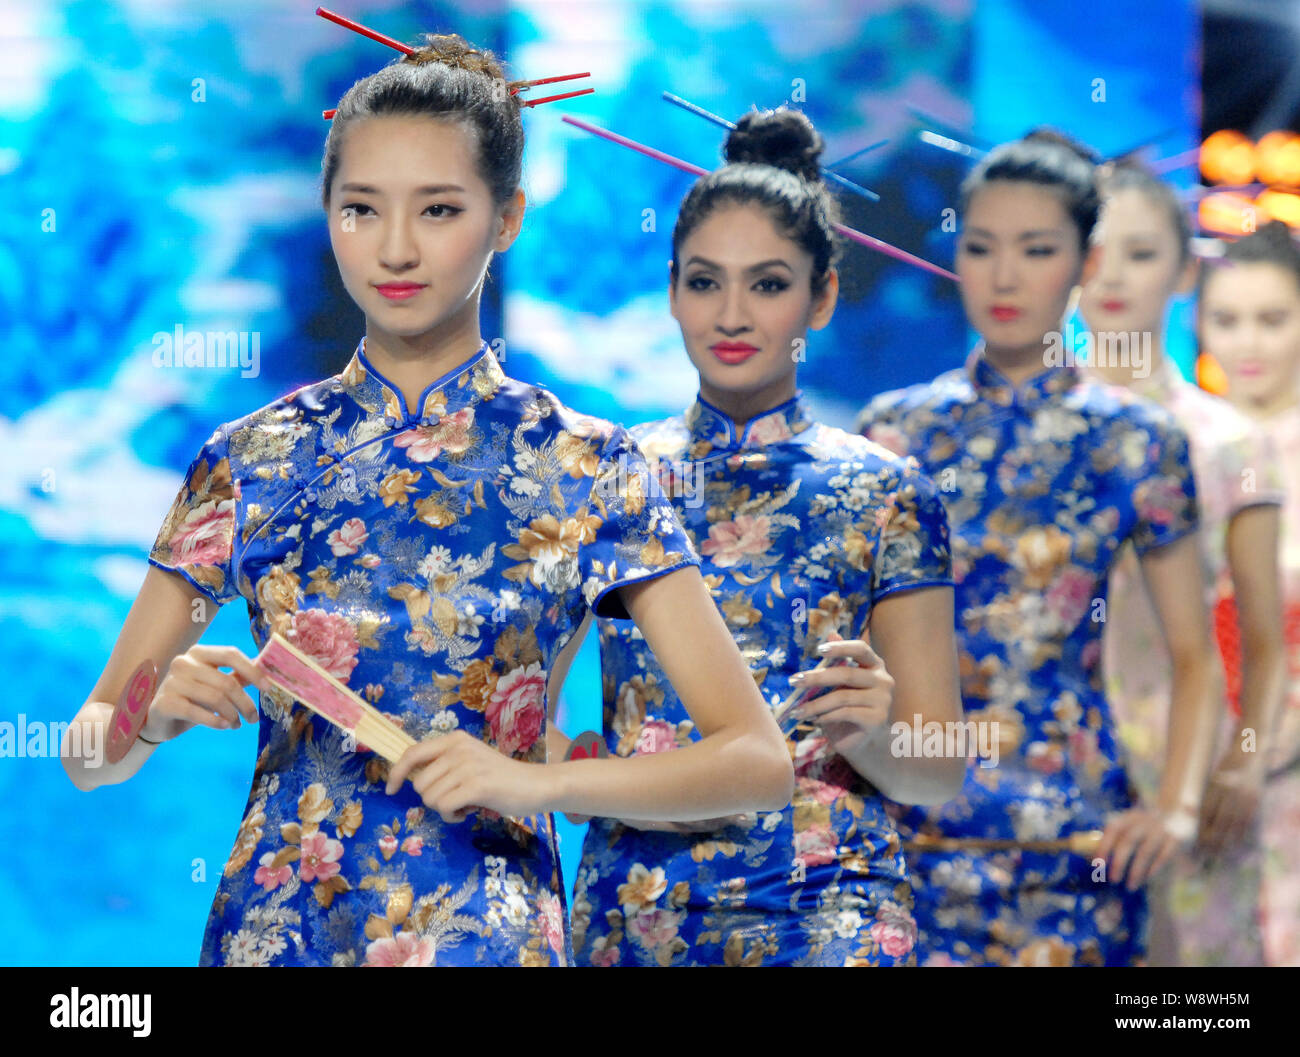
{"x": 1043, "y": 484}
{"x": 436, "y": 563}
{"x": 801, "y": 529}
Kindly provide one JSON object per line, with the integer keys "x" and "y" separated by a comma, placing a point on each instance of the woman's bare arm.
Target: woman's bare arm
{"x": 740, "y": 762}
{"x": 168, "y": 617}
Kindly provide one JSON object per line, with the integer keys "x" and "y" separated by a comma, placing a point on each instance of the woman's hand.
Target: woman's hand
{"x": 196, "y": 692}
{"x": 706, "y": 825}
{"x": 1231, "y": 804}
{"x": 859, "y": 699}
{"x": 1139, "y": 842}
{"x": 457, "y": 773}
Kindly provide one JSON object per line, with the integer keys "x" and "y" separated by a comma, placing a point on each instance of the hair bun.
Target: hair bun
{"x": 451, "y": 49}
{"x": 783, "y": 138}
{"x": 1276, "y": 233}
{"x": 1046, "y": 134}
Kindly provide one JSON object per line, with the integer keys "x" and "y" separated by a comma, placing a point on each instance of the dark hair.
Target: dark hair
{"x": 448, "y": 79}
{"x": 772, "y": 160}
{"x": 1129, "y": 174}
{"x": 1050, "y": 159}
{"x": 1271, "y": 244}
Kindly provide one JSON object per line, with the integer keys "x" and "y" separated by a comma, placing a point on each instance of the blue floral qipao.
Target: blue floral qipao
{"x": 1043, "y": 485}
{"x": 436, "y": 563}
{"x": 802, "y": 529}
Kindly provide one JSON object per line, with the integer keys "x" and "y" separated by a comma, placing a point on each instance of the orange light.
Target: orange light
{"x": 1278, "y": 158}
{"x": 1228, "y": 213}
{"x": 1281, "y": 205}
{"x": 1210, "y": 376}
{"x": 1228, "y": 157}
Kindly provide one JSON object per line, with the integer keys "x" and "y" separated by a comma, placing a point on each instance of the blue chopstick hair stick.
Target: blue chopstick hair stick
{"x": 848, "y": 185}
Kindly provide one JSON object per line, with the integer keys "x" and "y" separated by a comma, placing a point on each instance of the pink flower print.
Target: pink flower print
{"x": 271, "y": 877}
{"x": 206, "y": 536}
{"x": 895, "y": 930}
{"x": 347, "y": 539}
{"x": 890, "y": 437}
{"x": 654, "y": 928}
{"x": 816, "y": 846}
{"x": 656, "y": 736}
{"x": 1157, "y": 499}
{"x": 1070, "y": 596}
{"x": 450, "y": 434}
{"x": 387, "y": 846}
{"x": 413, "y": 845}
{"x": 770, "y": 429}
{"x": 516, "y": 711}
{"x": 404, "y": 949}
{"x": 320, "y": 857}
{"x": 328, "y": 638}
{"x": 552, "y": 922}
{"x": 731, "y": 541}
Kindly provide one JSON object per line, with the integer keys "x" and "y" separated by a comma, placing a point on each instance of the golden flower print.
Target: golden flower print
{"x": 350, "y": 819}
{"x": 434, "y": 513}
{"x": 653, "y": 555}
{"x": 1040, "y": 553}
{"x": 577, "y": 457}
{"x": 857, "y": 550}
{"x": 680, "y": 895}
{"x": 250, "y": 832}
{"x": 552, "y": 548}
{"x": 1049, "y": 951}
{"x": 397, "y": 486}
{"x": 477, "y": 684}
{"x": 707, "y": 849}
{"x": 634, "y": 697}
{"x": 739, "y": 613}
{"x": 643, "y": 888}
{"x": 831, "y": 614}
{"x": 321, "y": 582}
{"x": 313, "y": 806}
{"x": 277, "y": 592}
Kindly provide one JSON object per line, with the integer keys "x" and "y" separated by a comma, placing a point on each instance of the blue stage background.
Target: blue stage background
{"x": 161, "y": 161}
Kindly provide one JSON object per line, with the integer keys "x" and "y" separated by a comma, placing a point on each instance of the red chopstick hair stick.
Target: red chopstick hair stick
{"x": 553, "y": 98}
{"x": 356, "y": 27}
{"x": 879, "y": 245}
{"x": 549, "y": 80}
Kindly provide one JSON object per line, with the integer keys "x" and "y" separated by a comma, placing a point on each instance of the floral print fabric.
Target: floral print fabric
{"x": 435, "y": 562}
{"x": 802, "y": 529}
{"x": 1043, "y": 484}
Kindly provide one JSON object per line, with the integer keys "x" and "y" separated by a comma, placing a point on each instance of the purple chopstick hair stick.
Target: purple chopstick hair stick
{"x": 879, "y": 245}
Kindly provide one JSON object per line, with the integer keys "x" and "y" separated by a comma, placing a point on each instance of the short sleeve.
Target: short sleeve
{"x": 914, "y": 549}
{"x": 197, "y": 538}
{"x": 1253, "y": 473}
{"x": 635, "y": 534}
{"x": 1164, "y": 495}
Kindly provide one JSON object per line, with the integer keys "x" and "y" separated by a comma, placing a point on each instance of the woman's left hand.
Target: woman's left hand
{"x": 457, "y": 773}
{"x": 859, "y": 699}
{"x": 1139, "y": 842}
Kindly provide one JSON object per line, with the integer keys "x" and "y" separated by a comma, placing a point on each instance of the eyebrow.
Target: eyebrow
{"x": 760, "y": 266}
{"x": 1023, "y": 236}
{"x": 428, "y": 189}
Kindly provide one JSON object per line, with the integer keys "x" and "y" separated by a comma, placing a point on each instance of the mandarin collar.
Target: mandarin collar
{"x": 476, "y": 379}
{"x": 713, "y": 430}
{"x": 992, "y": 385}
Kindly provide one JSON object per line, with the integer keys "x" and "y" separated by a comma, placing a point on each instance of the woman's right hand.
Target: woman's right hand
{"x": 197, "y": 692}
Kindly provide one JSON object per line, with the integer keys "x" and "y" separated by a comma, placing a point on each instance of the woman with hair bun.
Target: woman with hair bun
{"x": 1248, "y": 319}
{"x": 1045, "y": 477}
{"x": 810, "y": 538}
{"x": 1146, "y": 256}
{"x": 431, "y": 532}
